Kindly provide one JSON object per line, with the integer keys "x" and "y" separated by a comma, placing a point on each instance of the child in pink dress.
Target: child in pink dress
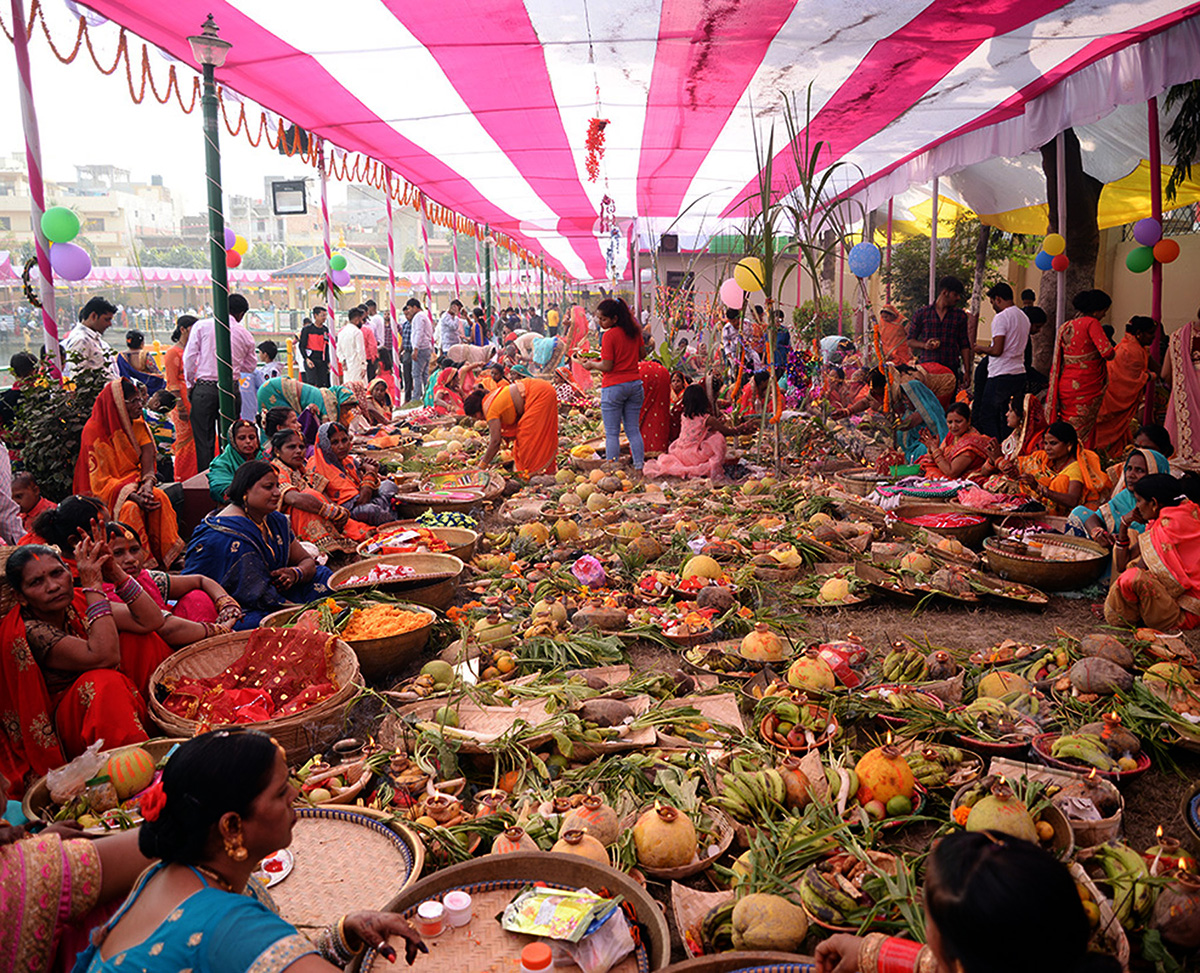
{"x": 700, "y": 448}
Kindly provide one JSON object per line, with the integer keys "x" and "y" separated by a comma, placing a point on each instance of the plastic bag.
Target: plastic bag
{"x": 589, "y": 571}
{"x": 69, "y": 780}
{"x": 599, "y": 951}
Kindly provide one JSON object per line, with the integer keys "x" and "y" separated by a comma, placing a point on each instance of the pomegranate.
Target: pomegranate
{"x": 664, "y": 838}
{"x": 1002, "y": 811}
{"x": 884, "y": 774}
{"x": 762, "y": 645}
{"x": 513, "y": 839}
{"x": 596, "y": 818}
{"x": 583, "y": 844}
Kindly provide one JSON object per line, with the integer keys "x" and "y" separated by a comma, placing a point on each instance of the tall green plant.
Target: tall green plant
{"x": 48, "y": 428}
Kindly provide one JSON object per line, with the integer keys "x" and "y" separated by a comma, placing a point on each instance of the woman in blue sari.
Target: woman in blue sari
{"x": 249, "y": 549}
{"x": 1104, "y": 523}
{"x": 223, "y": 804}
{"x": 138, "y": 365}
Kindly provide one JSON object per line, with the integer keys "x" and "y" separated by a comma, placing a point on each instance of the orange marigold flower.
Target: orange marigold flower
{"x": 961, "y": 814}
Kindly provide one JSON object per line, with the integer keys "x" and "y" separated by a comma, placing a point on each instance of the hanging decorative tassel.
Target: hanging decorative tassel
{"x": 595, "y": 147}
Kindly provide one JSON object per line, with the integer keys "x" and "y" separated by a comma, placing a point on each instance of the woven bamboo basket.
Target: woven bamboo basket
{"x": 433, "y": 585}
{"x": 299, "y": 735}
{"x": 971, "y": 535}
{"x": 376, "y": 657}
{"x": 1049, "y": 575}
{"x": 493, "y": 881}
{"x": 736, "y": 961}
{"x": 460, "y": 540}
{"x": 36, "y": 802}
{"x": 860, "y": 482}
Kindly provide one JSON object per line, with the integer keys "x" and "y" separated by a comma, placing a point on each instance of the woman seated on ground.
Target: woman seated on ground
{"x": 223, "y": 804}
{"x": 1025, "y": 417}
{"x": 1062, "y": 474}
{"x": 962, "y": 453}
{"x": 313, "y": 405}
{"x": 992, "y": 903}
{"x": 679, "y": 384}
{"x": 249, "y": 549}
{"x": 525, "y": 411}
{"x": 1149, "y": 436}
{"x": 1102, "y": 523}
{"x": 700, "y": 448}
{"x": 1158, "y": 571}
{"x": 68, "y": 670}
{"x": 314, "y": 519}
{"x": 753, "y": 395}
{"x": 245, "y": 445}
{"x": 202, "y": 607}
{"x": 349, "y": 482}
{"x": 117, "y": 463}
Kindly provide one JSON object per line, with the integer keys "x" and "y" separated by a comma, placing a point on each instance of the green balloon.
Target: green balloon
{"x": 337, "y": 262}
{"x": 1140, "y": 259}
{"x": 60, "y": 225}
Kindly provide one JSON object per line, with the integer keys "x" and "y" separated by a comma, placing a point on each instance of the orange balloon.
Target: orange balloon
{"x": 1165, "y": 251}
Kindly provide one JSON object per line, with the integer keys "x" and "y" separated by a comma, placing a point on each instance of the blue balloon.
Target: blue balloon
{"x": 1043, "y": 261}
{"x": 864, "y": 259}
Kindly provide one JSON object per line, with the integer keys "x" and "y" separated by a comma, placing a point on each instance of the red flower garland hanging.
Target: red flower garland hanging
{"x": 595, "y": 147}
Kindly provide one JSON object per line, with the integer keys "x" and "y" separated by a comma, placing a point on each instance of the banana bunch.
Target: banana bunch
{"x": 930, "y": 765}
{"x": 1085, "y": 747}
{"x": 499, "y": 541}
{"x": 904, "y": 665}
{"x": 716, "y": 928}
{"x": 752, "y": 795}
{"x": 1126, "y": 872}
{"x": 1054, "y": 663}
{"x": 795, "y": 714}
{"x": 827, "y": 897}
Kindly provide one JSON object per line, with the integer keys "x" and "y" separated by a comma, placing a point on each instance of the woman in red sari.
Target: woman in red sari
{"x": 67, "y": 675}
{"x": 654, "y": 420}
{"x": 1128, "y": 373}
{"x": 964, "y": 451}
{"x": 1078, "y": 376}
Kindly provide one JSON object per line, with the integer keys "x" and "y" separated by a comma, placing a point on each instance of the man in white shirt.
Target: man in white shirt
{"x": 422, "y": 345}
{"x": 1006, "y": 363}
{"x": 352, "y": 349}
{"x": 86, "y": 340}
{"x": 376, "y": 323}
{"x": 450, "y": 327}
{"x": 200, "y": 373}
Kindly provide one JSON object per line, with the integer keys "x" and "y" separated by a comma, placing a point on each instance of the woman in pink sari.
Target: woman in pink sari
{"x": 1078, "y": 376}
{"x": 1160, "y": 587}
{"x": 962, "y": 454}
{"x": 1181, "y": 371}
{"x": 700, "y": 448}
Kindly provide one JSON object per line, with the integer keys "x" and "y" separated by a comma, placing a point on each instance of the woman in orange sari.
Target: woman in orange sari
{"x": 525, "y": 411}
{"x": 1078, "y": 376}
{"x": 184, "y": 449}
{"x": 893, "y": 339}
{"x": 962, "y": 454}
{"x": 314, "y": 518}
{"x": 1062, "y": 474}
{"x": 351, "y": 483}
{"x": 67, "y": 676}
{"x": 655, "y": 418}
{"x": 1158, "y": 574}
{"x": 1127, "y": 375}
{"x": 117, "y": 464}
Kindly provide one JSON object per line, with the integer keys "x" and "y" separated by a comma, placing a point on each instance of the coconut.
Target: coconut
{"x": 539, "y": 533}
{"x": 566, "y": 530}
{"x": 884, "y": 774}
{"x": 702, "y": 566}
{"x": 664, "y": 838}
{"x": 1104, "y": 646}
{"x": 1002, "y": 811}
{"x": 941, "y": 665}
{"x": 596, "y": 818}
{"x": 597, "y": 502}
{"x": 1177, "y": 913}
{"x": 609, "y": 484}
{"x": 916, "y": 561}
{"x": 513, "y": 839}
{"x": 768, "y": 922}
{"x": 811, "y": 673}
{"x": 1001, "y": 682}
{"x": 762, "y": 645}
{"x": 715, "y": 596}
{"x": 583, "y": 844}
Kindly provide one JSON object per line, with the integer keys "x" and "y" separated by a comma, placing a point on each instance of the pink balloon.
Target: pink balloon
{"x": 70, "y": 261}
{"x": 340, "y": 277}
{"x": 731, "y": 294}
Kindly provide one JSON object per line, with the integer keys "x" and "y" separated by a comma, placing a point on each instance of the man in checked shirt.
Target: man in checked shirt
{"x": 938, "y": 333}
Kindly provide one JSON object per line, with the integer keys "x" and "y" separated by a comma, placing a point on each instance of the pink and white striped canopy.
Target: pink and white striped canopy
{"x": 485, "y": 104}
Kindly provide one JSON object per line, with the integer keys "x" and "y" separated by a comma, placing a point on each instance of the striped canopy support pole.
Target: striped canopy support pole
{"x": 1060, "y": 178}
{"x": 454, "y": 251}
{"x": 393, "y": 327}
{"x": 1156, "y": 268}
{"x": 37, "y": 192}
{"x": 478, "y": 267}
{"x": 933, "y": 237}
{"x": 887, "y": 269}
{"x": 425, "y": 254}
{"x": 335, "y": 365}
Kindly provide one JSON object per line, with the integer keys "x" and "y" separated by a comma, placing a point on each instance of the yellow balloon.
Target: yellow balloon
{"x": 1054, "y": 244}
{"x": 749, "y": 274}
{"x": 240, "y": 245}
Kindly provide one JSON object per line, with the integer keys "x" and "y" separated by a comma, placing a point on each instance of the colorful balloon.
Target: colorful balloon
{"x": 60, "y": 225}
{"x": 749, "y": 274}
{"x": 731, "y": 294}
{"x": 1043, "y": 261}
{"x": 864, "y": 259}
{"x": 337, "y": 262}
{"x": 232, "y": 258}
{"x": 1054, "y": 244}
{"x": 230, "y": 238}
{"x": 1147, "y": 232}
{"x": 1165, "y": 251}
{"x": 70, "y": 261}
{"x": 1060, "y": 263}
{"x": 240, "y": 245}
{"x": 341, "y": 278}
{"x": 1139, "y": 259}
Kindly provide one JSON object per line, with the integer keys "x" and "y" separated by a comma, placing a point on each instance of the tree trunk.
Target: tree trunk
{"x": 1083, "y": 239}
{"x": 981, "y": 252}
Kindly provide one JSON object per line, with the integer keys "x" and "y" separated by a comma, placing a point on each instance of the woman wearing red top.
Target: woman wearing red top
{"x": 621, "y": 390}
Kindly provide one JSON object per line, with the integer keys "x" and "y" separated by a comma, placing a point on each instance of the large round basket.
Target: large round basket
{"x": 299, "y": 735}
{"x": 860, "y": 482}
{"x": 739, "y": 961}
{"x": 376, "y": 657}
{"x": 968, "y": 534}
{"x": 1048, "y": 575}
{"x": 36, "y": 803}
{"x": 460, "y": 540}
{"x": 492, "y": 882}
{"x": 433, "y": 584}
{"x": 344, "y": 861}
{"x": 459, "y": 491}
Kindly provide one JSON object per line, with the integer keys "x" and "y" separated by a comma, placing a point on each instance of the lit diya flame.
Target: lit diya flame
{"x": 1158, "y": 833}
{"x": 888, "y": 742}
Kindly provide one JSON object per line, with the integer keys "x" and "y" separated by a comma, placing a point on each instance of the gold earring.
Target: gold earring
{"x": 234, "y": 848}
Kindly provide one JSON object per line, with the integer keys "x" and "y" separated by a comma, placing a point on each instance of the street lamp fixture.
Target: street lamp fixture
{"x": 207, "y": 47}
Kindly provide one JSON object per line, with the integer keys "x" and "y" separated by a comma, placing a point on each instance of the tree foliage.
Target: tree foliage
{"x": 48, "y": 429}
{"x": 1183, "y": 133}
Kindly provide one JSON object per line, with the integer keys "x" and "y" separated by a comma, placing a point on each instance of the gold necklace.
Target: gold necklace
{"x": 215, "y": 877}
